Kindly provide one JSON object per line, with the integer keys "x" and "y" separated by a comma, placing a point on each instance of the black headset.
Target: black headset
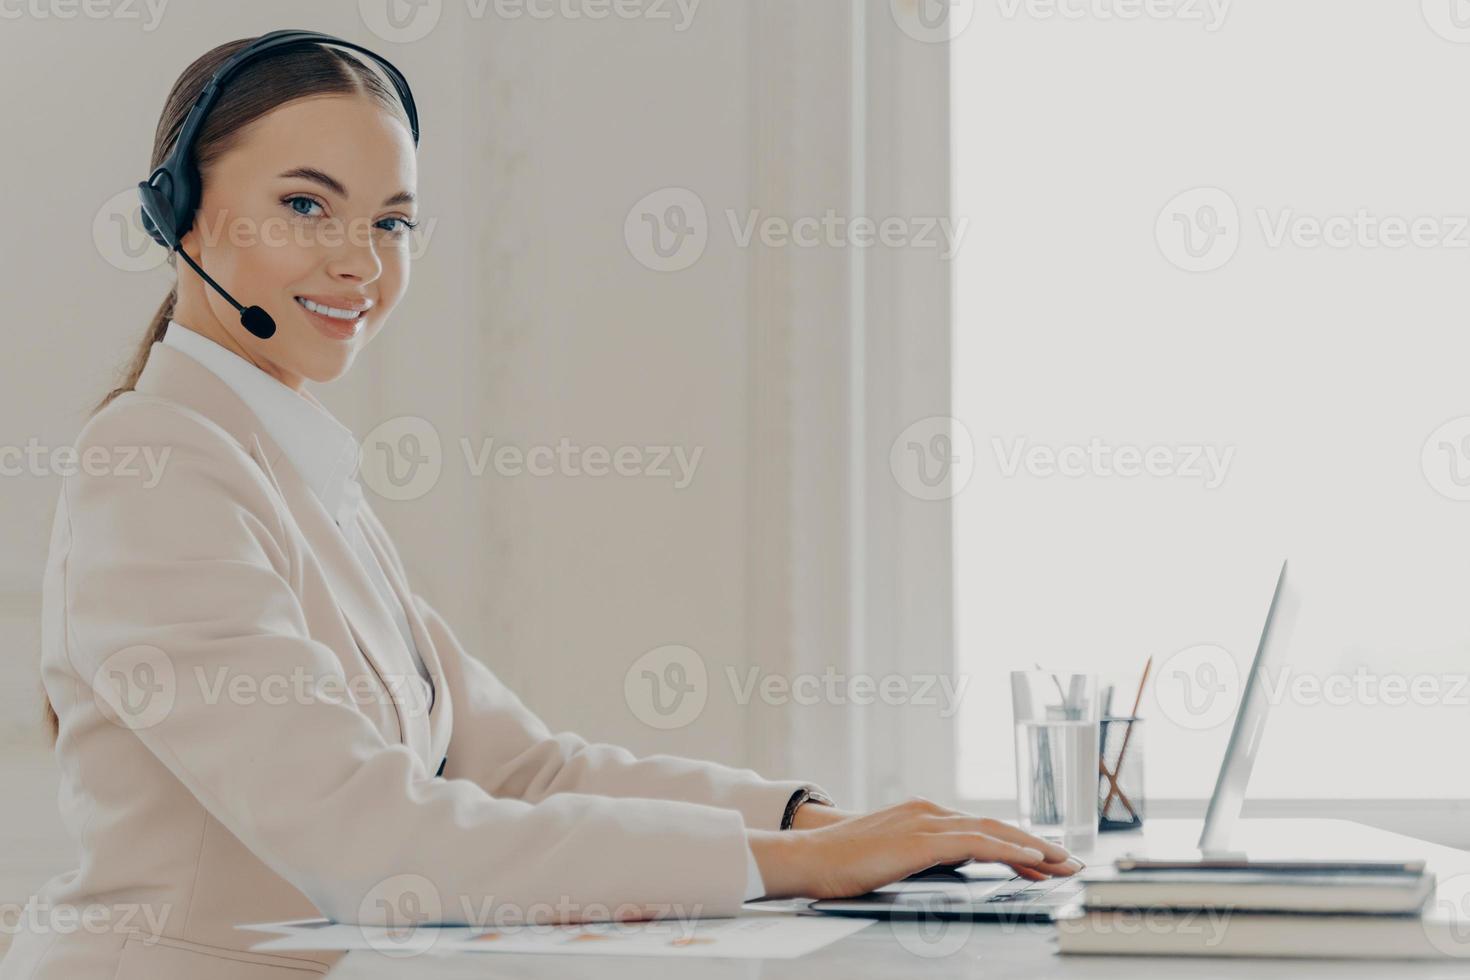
{"x": 170, "y": 195}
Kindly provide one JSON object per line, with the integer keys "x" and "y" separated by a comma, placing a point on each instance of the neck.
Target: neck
{"x": 193, "y": 312}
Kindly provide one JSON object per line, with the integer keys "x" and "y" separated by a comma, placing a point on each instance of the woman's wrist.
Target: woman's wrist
{"x": 811, "y": 815}
{"x": 777, "y": 854}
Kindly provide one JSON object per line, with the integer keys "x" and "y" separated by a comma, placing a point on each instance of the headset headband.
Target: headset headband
{"x": 279, "y": 39}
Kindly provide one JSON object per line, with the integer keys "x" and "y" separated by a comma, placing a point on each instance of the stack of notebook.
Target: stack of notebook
{"x": 1242, "y": 908}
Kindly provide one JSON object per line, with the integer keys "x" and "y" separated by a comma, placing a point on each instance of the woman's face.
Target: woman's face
{"x": 314, "y": 203}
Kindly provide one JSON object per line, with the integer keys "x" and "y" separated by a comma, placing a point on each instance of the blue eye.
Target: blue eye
{"x": 404, "y": 225}
{"x": 291, "y": 201}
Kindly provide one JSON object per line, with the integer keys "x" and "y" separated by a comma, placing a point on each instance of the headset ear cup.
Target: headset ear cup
{"x": 157, "y": 217}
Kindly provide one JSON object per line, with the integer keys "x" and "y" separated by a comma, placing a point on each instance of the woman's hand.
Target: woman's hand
{"x": 837, "y": 855}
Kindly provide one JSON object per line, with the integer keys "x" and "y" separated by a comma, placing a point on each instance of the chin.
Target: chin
{"x": 336, "y": 369}
{"x": 328, "y": 366}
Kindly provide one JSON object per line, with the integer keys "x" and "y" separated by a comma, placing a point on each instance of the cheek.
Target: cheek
{"x": 262, "y": 252}
{"x": 393, "y": 282}
{"x": 278, "y": 261}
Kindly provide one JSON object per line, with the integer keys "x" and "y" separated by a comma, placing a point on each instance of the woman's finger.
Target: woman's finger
{"x": 958, "y": 845}
{"x": 1051, "y": 852}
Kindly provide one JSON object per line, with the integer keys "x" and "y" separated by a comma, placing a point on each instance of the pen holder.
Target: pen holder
{"x": 1120, "y": 774}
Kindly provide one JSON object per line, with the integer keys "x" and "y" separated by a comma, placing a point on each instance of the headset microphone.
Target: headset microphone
{"x": 170, "y": 195}
{"x": 252, "y": 318}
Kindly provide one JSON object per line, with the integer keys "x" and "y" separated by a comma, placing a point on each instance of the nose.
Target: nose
{"x": 355, "y": 261}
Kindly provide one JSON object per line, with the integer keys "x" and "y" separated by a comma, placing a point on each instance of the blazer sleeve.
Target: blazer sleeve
{"x": 196, "y": 577}
{"x": 505, "y": 748}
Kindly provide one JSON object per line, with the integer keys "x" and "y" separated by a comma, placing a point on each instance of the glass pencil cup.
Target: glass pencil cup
{"x": 1120, "y": 774}
{"x": 1056, "y": 728}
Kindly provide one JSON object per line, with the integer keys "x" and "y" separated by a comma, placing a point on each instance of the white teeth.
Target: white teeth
{"x": 330, "y": 311}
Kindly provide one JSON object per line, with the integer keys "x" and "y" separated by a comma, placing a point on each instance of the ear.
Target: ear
{"x": 191, "y": 242}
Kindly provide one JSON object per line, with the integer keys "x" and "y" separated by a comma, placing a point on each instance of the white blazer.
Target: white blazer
{"x": 240, "y": 743}
{"x": 322, "y": 451}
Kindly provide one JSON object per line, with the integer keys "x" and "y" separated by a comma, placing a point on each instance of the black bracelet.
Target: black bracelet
{"x": 803, "y": 795}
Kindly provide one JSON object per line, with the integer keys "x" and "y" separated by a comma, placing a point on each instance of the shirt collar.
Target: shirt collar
{"x": 322, "y": 450}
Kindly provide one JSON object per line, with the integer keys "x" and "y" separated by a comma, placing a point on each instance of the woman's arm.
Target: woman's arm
{"x": 503, "y": 747}
{"x": 828, "y": 852}
{"x": 192, "y": 578}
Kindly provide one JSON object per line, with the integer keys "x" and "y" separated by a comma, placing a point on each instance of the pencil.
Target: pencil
{"x": 1123, "y": 749}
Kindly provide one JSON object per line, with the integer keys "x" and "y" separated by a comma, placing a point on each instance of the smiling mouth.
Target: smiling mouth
{"x": 332, "y": 312}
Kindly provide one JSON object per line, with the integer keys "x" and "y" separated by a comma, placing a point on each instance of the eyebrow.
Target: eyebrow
{"x": 335, "y": 185}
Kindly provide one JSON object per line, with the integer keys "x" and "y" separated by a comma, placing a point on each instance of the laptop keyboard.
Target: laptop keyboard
{"x": 1022, "y": 889}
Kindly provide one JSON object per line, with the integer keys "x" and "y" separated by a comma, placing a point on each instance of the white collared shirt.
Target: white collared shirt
{"x": 321, "y": 449}
{"x": 325, "y": 453}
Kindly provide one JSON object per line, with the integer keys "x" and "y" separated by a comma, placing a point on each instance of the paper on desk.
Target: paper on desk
{"x": 755, "y": 934}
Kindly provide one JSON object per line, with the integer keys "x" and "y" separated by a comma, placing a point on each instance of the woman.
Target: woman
{"x": 256, "y": 717}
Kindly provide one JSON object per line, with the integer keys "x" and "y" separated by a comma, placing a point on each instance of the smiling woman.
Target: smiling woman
{"x": 268, "y": 99}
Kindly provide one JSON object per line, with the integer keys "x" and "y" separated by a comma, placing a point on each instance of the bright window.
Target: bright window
{"x": 1211, "y": 311}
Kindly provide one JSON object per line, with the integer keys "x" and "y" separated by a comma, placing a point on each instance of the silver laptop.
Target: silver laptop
{"x": 980, "y": 894}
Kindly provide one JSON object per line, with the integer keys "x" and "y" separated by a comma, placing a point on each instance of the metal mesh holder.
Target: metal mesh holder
{"x": 1120, "y": 774}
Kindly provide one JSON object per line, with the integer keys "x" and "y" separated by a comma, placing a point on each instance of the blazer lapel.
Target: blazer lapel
{"x": 371, "y": 625}
{"x": 440, "y": 710}
{"x": 174, "y": 375}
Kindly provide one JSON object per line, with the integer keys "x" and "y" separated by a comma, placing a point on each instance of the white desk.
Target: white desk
{"x": 978, "y": 949}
